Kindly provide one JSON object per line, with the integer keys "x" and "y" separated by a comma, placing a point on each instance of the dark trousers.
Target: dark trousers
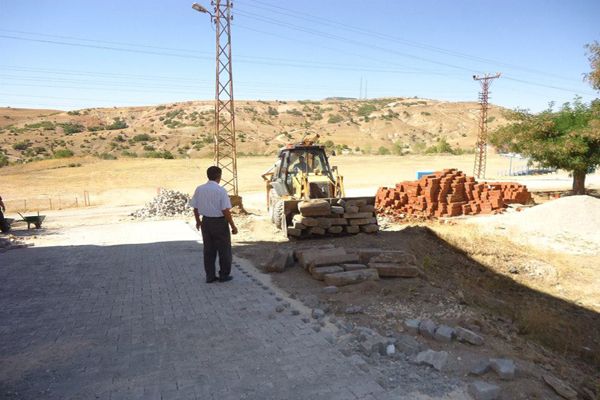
{"x": 4, "y": 227}
{"x": 217, "y": 239}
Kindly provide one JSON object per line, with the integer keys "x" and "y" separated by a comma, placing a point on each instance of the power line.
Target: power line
{"x": 321, "y": 21}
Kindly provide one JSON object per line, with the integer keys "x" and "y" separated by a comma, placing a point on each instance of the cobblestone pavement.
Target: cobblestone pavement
{"x": 133, "y": 319}
{"x": 123, "y": 312}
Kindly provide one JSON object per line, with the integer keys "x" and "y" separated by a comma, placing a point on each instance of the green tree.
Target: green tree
{"x": 568, "y": 139}
{"x": 593, "y": 52}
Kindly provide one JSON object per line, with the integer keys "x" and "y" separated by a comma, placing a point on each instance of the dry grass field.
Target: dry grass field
{"x": 135, "y": 181}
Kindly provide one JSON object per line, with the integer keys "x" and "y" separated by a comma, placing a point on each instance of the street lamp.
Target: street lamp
{"x": 201, "y": 9}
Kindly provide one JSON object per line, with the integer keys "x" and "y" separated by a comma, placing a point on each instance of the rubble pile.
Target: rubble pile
{"x": 10, "y": 242}
{"x": 448, "y": 193}
{"x": 320, "y": 217}
{"x": 168, "y": 203}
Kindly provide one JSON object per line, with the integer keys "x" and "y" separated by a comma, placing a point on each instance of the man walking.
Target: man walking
{"x": 212, "y": 203}
{"x": 4, "y": 227}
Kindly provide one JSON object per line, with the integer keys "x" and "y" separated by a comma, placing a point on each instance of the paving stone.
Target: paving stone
{"x": 335, "y": 230}
{"x": 316, "y": 230}
{"x": 481, "y": 367}
{"x": 394, "y": 257}
{"x": 357, "y": 215}
{"x": 331, "y": 259}
{"x": 305, "y": 257}
{"x": 436, "y": 359}
{"x": 353, "y": 267}
{"x": 337, "y": 210}
{"x": 408, "y": 345}
{"x": 351, "y": 277}
{"x": 314, "y": 208}
{"x": 317, "y": 313}
{"x": 320, "y": 272}
{"x": 504, "y": 367}
{"x": 427, "y": 328}
{"x": 294, "y": 231}
{"x": 484, "y": 391}
{"x": 362, "y": 221}
{"x": 444, "y": 333}
{"x": 412, "y": 326}
{"x": 371, "y": 228}
{"x": 468, "y": 336}
{"x": 352, "y": 229}
{"x": 388, "y": 270}
{"x": 304, "y": 221}
{"x": 353, "y": 310}
{"x": 330, "y": 289}
{"x": 560, "y": 387}
{"x": 373, "y": 344}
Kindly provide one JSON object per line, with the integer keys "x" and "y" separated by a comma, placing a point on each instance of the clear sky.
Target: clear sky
{"x": 71, "y": 54}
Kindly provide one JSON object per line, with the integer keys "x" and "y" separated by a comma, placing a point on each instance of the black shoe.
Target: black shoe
{"x": 225, "y": 278}
{"x": 211, "y": 280}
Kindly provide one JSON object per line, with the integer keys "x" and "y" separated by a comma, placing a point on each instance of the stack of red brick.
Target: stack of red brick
{"x": 448, "y": 193}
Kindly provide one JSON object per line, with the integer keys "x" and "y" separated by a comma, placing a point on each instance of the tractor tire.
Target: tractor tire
{"x": 279, "y": 216}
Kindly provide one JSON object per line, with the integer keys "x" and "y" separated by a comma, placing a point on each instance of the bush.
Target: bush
{"x": 118, "y": 123}
{"x": 45, "y": 125}
{"x": 24, "y": 145}
{"x": 107, "y": 156}
{"x": 71, "y": 127}
{"x": 159, "y": 154}
{"x": 295, "y": 112}
{"x": 63, "y": 153}
{"x": 335, "y": 118}
{"x": 142, "y": 137}
{"x": 96, "y": 128}
{"x": 129, "y": 154}
{"x": 383, "y": 151}
{"x": 75, "y": 112}
{"x": 3, "y": 160}
{"x": 272, "y": 111}
{"x": 365, "y": 110}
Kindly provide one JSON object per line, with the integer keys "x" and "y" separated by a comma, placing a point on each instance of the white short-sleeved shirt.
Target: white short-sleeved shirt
{"x": 210, "y": 199}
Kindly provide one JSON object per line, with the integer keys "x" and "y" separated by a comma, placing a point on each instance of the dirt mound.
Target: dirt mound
{"x": 568, "y": 224}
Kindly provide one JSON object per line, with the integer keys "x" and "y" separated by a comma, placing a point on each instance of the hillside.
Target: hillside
{"x": 181, "y": 130}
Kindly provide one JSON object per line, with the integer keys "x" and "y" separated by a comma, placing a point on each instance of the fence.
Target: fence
{"x": 42, "y": 203}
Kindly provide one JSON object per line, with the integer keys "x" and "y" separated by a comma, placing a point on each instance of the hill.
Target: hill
{"x": 184, "y": 130}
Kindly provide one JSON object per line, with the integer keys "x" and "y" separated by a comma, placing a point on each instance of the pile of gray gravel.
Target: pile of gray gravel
{"x": 168, "y": 203}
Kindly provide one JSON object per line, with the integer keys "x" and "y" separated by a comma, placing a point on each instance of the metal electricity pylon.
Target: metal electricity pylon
{"x": 481, "y": 145}
{"x": 225, "y": 154}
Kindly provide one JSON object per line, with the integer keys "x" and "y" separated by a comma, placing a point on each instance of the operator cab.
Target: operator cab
{"x": 297, "y": 161}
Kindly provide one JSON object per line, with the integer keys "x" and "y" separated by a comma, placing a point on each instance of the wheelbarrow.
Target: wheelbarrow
{"x": 36, "y": 220}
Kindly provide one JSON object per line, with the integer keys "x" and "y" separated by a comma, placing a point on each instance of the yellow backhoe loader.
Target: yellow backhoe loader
{"x": 302, "y": 172}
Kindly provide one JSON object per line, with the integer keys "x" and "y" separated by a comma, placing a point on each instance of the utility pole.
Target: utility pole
{"x": 225, "y": 154}
{"x": 481, "y": 145}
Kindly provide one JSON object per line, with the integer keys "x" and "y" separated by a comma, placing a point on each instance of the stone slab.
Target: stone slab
{"x": 358, "y": 215}
{"x": 467, "y": 336}
{"x": 314, "y": 208}
{"x": 395, "y": 270}
{"x": 353, "y": 267}
{"x": 351, "y": 277}
{"x": 371, "y": 228}
{"x": 436, "y": 359}
{"x": 320, "y": 272}
{"x": 481, "y": 390}
{"x": 331, "y": 259}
